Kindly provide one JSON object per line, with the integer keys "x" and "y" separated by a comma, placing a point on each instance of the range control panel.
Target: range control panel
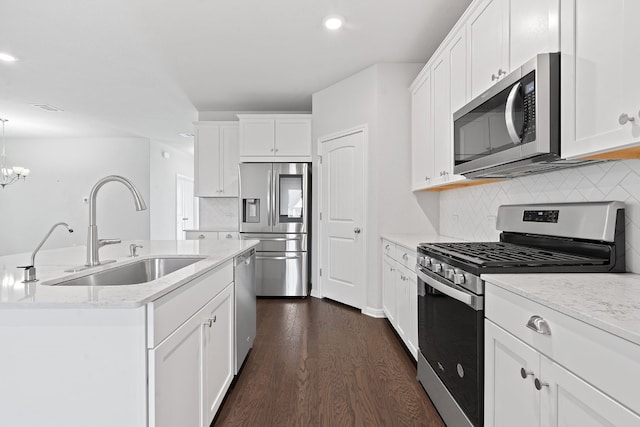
{"x": 541, "y": 216}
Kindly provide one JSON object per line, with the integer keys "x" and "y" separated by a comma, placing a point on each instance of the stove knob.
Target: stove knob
{"x": 458, "y": 278}
{"x": 436, "y": 268}
{"x": 426, "y": 261}
{"x": 449, "y": 273}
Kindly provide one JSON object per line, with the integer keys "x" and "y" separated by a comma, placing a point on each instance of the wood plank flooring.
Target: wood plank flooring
{"x": 320, "y": 363}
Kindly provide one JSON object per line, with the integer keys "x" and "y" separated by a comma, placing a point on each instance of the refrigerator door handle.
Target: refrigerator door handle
{"x": 269, "y": 197}
{"x": 276, "y": 197}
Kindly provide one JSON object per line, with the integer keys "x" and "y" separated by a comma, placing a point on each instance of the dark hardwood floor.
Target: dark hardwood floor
{"x": 319, "y": 363}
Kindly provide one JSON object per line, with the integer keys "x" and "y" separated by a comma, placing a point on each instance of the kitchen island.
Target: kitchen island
{"x": 151, "y": 354}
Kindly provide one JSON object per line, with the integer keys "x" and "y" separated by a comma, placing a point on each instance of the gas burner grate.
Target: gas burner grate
{"x": 500, "y": 254}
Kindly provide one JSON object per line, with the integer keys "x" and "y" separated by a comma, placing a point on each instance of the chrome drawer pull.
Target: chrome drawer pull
{"x": 539, "y": 325}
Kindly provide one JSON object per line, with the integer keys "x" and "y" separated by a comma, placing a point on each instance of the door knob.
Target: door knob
{"x": 357, "y": 230}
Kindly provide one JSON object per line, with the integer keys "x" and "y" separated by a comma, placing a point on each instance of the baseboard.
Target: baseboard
{"x": 314, "y": 293}
{"x": 374, "y": 312}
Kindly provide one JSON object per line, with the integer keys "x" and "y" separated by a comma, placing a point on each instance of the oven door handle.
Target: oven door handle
{"x": 472, "y": 301}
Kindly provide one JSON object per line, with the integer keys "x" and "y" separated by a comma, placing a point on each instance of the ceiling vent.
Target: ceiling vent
{"x": 47, "y": 107}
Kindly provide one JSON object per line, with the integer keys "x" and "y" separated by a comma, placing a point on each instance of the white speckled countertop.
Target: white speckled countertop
{"x": 50, "y": 266}
{"x": 411, "y": 241}
{"x": 610, "y": 302}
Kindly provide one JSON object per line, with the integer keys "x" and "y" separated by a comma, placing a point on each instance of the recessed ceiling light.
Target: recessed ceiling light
{"x": 333, "y": 22}
{"x": 186, "y": 135}
{"x": 7, "y": 58}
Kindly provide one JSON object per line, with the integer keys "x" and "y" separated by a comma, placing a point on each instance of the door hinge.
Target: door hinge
{"x": 320, "y": 272}
{"x": 320, "y": 159}
{"x": 320, "y": 216}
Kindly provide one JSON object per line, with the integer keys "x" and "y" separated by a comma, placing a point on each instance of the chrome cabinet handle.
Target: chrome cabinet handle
{"x": 524, "y": 373}
{"x": 201, "y": 236}
{"x": 426, "y": 178}
{"x": 494, "y": 77}
{"x": 509, "y": 114}
{"x": 501, "y": 72}
{"x": 387, "y": 247}
{"x": 539, "y": 384}
{"x": 357, "y": 230}
{"x": 405, "y": 256}
{"x": 210, "y": 321}
{"x": 539, "y": 325}
{"x": 625, "y": 118}
{"x": 229, "y": 236}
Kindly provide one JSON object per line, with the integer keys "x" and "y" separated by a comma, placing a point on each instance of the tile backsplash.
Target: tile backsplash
{"x": 470, "y": 213}
{"x": 218, "y": 212}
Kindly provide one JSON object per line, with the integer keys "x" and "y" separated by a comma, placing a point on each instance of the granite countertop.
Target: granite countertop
{"x": 411, "y": 241}
{"x": 610, "y": 302}
{"x": 50, "y": 266}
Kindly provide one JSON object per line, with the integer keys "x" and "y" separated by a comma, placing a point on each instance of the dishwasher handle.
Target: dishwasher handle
{"x": 245, "y": 257}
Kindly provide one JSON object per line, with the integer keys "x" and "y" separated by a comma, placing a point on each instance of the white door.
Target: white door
{"x": 186, "y": 206}
{"x": 342, "y": 238}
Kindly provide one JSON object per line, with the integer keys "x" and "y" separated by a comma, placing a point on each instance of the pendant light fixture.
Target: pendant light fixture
{"x": 9, "y": 175}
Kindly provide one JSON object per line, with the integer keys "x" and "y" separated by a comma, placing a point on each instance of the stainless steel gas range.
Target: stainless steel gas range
{"x": 566, "y": 237}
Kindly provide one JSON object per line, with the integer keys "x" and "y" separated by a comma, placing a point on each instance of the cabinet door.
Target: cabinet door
{"x": 422, "y": 165}
{"x": 174, "y": 378}
{"x": 569, "y": 401}
{"x": 217, "y": 352}
{"x": 257, "y": 137}
{"x": 442, "y": 119}
{"x": 207, "y": 161}
{"x": 597, "y": 75}
{"x": 509, "y": 399}
{"x": 229, "y": 141}
{"x": 533, "y": 28}
{"x": 201, "y": 235}
{"x": 293, "y": 137}
{"x": 402, "y": 304}
{"x": 388, "y": 289}
{"x": 458, "y": 72}
{"x": 488, "y": 34}
{"x": 412, "y": 290}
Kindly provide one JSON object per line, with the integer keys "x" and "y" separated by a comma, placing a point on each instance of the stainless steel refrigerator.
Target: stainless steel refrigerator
{"x": 274, "y": 208}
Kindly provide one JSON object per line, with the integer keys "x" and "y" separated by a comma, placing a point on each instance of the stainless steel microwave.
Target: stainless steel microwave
{"x": 513, "y": 128}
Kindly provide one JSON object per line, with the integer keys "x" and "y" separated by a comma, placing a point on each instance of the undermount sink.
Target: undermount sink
{"x": 135, "y": 273}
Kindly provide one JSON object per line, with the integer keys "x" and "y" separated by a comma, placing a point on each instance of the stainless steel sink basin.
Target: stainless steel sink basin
{"x": 135, "y": 273}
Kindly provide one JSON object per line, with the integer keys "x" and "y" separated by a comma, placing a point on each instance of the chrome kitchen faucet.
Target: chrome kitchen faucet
{"x": 93, "y": 243}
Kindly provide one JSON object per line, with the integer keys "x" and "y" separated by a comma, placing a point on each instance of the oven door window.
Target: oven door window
{"x": 451, "y": 339}
{"x": 484, "y": 131}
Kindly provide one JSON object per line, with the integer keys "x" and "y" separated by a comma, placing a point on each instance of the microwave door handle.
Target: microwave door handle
{"x": 509, "y": 114}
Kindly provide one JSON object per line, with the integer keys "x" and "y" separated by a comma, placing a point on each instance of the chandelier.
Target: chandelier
{"x": 9, "y": 175}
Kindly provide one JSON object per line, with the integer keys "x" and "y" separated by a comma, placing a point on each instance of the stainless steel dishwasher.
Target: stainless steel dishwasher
{"x": 245, "y": 278}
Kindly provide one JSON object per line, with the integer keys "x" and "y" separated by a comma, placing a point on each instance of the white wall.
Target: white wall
{"x": 470, "y": 213}
{"x": 378, "y": 97}
{"x": 163, "y": 187}
{"x": 63, "y": 171}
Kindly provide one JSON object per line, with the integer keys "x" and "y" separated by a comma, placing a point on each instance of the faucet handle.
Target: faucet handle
{"x": 132, "y": 249}
{"x": 29, "y": 273}
{"x": 103, "y": 242}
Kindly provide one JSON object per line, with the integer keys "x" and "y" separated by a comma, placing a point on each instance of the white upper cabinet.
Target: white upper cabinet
{"x": 422, "y": 163}
{"x": 533, "y": 29}
{"x": 600, "y": 65}
{"x": 263, "y": 137}
{"x": 504, "y": 34}
{"x": 216, "y": 159}
{"x": 488, "y": 32}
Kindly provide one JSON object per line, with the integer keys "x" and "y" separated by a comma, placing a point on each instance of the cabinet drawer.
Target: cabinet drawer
{"x": 608, "y": 362}
{"x": 406, "y": 257}
{"x": 201, "y": 235}
{"x": 389, "y": 248}
{"x": 168, "y": 312}
{"x": 228, "y": 235}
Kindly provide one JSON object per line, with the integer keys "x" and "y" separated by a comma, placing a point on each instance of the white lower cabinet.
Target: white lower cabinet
{"x": 400, "y": 293}
{"x": 525, "y": 386}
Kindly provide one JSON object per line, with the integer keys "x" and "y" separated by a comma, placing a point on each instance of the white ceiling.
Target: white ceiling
{"x": 146, "y": 67}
